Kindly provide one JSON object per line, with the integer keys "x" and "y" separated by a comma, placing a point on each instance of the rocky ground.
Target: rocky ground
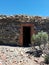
{"x": 17, "y": 56}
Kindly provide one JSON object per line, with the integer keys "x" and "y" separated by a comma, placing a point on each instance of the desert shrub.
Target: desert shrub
{"x": 40, "y": 38}
{"x": 46, "y": 59}
{"x": 33, "y": 39}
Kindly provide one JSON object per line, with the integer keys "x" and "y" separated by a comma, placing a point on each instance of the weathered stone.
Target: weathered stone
{"x": 1, "y": 63}
{"x": 11, "y": 50}
{"x": 10, "y": 26}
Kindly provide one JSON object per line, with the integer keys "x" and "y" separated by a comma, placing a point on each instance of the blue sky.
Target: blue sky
{"x": 27, "y": 7}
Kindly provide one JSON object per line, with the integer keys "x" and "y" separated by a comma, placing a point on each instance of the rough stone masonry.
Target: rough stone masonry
{"x": 10, "y": 27}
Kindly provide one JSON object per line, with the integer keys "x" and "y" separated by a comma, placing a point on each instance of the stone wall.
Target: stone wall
{"x": 10, "y": 26}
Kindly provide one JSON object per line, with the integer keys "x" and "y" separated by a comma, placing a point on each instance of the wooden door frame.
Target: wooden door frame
{"x": 21, "y": 31}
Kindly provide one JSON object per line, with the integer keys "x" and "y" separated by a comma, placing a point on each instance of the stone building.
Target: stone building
{"x": 18, "y": 29}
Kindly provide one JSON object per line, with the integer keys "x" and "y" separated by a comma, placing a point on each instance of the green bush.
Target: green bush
{"x": 46, "y": 59}
{"x": 40, "y": 38}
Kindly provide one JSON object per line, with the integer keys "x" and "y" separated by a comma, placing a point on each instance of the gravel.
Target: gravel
{"x": 16, "y": 56}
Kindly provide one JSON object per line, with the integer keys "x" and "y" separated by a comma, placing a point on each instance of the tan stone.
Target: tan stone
{"x": 1, "y": 63}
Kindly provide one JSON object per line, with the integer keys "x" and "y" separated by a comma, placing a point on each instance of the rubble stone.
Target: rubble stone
{"x": 10, "y": 26}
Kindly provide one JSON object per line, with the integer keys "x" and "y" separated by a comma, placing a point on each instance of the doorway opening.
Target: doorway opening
{"x": 26, "y": 36}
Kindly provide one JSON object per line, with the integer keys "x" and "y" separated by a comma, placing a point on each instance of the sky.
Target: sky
{"x": 25, "y": 7}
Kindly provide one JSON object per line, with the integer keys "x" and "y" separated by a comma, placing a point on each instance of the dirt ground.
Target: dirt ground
{"x": 17, "y": 56}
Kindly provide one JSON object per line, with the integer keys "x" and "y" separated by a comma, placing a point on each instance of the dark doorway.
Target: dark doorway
{"x": 26, "y": 36}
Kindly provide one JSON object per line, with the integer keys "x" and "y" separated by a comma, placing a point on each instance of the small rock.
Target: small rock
{"x": 11, "y": 50}
{"x": 37, "y": 47}
{"x": 43, "y": 55}
{"x": 1, "y": 63}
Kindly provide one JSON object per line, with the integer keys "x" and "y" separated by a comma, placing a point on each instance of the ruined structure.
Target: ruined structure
{"x": 18, "y": 29}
